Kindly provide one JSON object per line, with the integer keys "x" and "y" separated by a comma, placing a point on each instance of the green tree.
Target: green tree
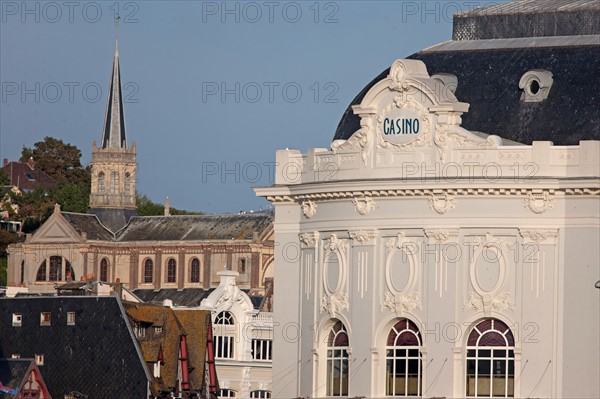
{"x": 71, "y": 197}
{"x": 4, "y": 179}
{"x": 60, "y": 160}
{"x": 146, "y": 207}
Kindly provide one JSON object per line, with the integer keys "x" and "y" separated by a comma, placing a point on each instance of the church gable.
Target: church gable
{"x": 56, "y": 230}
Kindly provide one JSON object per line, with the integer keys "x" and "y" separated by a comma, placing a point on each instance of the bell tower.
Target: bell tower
{"x": 113, "y": 163}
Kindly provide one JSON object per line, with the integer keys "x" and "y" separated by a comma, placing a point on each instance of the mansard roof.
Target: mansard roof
{"x": 490, "y": 68}
{"x": 189, "y": 297}
{"x": 196, "y": 227}
{"x": 97, "y": 356}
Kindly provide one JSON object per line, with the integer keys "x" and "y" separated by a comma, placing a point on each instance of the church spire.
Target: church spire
{"x": 114, "y": 121}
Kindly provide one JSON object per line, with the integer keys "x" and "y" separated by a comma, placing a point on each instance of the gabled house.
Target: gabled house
{"x": 22, "y": 379}
{"x": 26, "y": 177}
{"x": 174, "y": 347}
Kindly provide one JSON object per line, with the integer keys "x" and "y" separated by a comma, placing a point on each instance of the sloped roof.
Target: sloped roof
{"x": 174, "y": 324}
{"x": 98, "y": 356}
{"x": 188, "y": 297}
{"x": 195, "y": 227}
{"x": 88, "y": 224}
{"x": 26, "y": 177}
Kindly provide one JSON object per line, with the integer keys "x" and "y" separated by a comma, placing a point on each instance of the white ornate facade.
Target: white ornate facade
{"x": 429, "y": 241}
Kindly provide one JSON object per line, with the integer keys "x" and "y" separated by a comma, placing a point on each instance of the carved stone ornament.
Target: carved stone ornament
{"x": 364, "y": 205}
{"x": 491, "y": 241}
{"x": 452, "y": 132}
{"x": 335, "y": 303}
{"x": 362, "y": 236}
{"x": 539, "y": 202}
{"x": 441, "y": 236}
{"x": 539, "y": 236}
{"x": 309, "y": 208}
{"x": 308, "y": 239}
{"x": 499, "y": 302}
{"x": 399, "y": 303}
{"x": 398, "y": 77}
{"x": 441, "y": 203}
{"x": 360, "y": 140}
{"x": 334, "y": 244}
{"x": 400, "y": 242}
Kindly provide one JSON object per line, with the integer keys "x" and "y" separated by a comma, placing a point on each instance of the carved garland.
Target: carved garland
{"x": 422, "y": 140}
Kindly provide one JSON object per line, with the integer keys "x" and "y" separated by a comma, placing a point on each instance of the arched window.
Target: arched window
{"x": 491, "y": 360}
{"x": 171, "y": 271}
{"x": 148, "y": 271}
{"x": 226, "y": 393}
{"x": 127, "y": 185}
{"x": 114, "y": 182}
{"x": 104, "y": 270}
{"x": 101, "y": 182}
{"x": 403, "y": 360}
{"x": 195, "y": 271}
{"x": 337, "y": 361}
{"x": 41, "y": 273}
{"x": 260, "y": 394}
{"x": 56, "y": 270}
{"x": 223, "y": 337}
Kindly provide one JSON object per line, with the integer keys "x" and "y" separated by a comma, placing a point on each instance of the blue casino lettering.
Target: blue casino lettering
{"x": 400, "y": 126}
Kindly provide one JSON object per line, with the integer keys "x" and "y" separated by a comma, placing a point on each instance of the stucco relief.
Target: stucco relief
{"x": 309, "y": 209}
{"x": 401, "y": 302}
{"x": 452, "y": 132}
{"x": 539, "y": 202}
{"x": 364, "y": 205}
{"x": 309, "y": 240}
{"x": 362, "y": 236}
{"x": 499, "y": 302}
{"x": 441, "y": 203}
{"x": 360, "y": 140}
{"x": 335, "y": 303}
{"x": 488, "y": 268}
{"x": 401, "y": 102}
{"x": 539, "y": 236}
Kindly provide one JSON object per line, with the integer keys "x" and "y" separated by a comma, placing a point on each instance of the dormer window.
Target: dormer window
{"x": 536, "y": 85}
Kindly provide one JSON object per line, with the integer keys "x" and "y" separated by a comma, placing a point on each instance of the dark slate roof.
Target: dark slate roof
{"x": 98, "y": 356}
{"x": 189, "y": 297}
{"x": 88, "y": 224}
{"x": 12, "y": 373}
{"x": 529, "y": 18}
{"x": 195, "y": 227}
{"x": 113, "y": 219}
{"x": 488, "y": 79}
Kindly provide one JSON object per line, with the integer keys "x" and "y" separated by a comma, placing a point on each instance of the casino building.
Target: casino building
{"x": 455, "y": 258}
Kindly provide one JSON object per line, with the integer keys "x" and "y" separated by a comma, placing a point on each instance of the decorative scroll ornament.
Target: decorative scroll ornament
{"x": 491, "y": 241}
{"x": 335, "y": 303}
{"x": 453, "y": 132}
{"x": 360, "y": 140}
{"x": 308, "y": 239}
{"x": 539, "y": 202}
{"x": 441, "y": 235}
{"x": 334, "y": 244}
{"x": 499, "y": 302}
{"x": 441, "y": 203}
{"x": 399, "y": 303}
{"x": 309, "y": 208}
{"x": 362, "y": 236}
{"x": 364, "y": 205}
{"x": 398, "y": 77}
{"x": 538, "y": 236}
{"x": 400, "y": 242}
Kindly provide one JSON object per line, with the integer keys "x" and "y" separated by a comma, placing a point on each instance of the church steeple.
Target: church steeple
{"x": 114, "y": 121}
{"x": 114, "y": 164}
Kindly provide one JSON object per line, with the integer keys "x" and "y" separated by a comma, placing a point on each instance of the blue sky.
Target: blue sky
{"x": 212, "y": 88}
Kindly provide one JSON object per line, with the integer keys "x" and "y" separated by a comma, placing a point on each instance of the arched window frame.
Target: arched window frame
{"x": 51, "y": 269}
{"x": 226, "y": 393}
{"x": 337, "y": 360}
{"x": 490, "y": 360}
{"x": 404, "y": 360}
{"x": 41, "y": 274}
{"x": 224, "y": 331}
{"x": 260, "y": 394}
{"x": 148, "y": 275}
{"x": 127, "y": 183}
{"x": 104, "y": 270}
{"x": 114, "y": 182}
{"x": 195, "y": 270}
{"x": 171, "y": 274}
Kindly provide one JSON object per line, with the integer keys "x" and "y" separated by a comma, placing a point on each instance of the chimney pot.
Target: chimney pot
{"x": 5, "y": 162}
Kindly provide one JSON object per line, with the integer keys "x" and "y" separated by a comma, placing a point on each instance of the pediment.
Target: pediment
{"x": 56, "y": 230}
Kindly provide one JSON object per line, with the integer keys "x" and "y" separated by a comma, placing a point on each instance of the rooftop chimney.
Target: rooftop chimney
{"x": 167, "y": 207}
{"x": 5, "y": 162}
